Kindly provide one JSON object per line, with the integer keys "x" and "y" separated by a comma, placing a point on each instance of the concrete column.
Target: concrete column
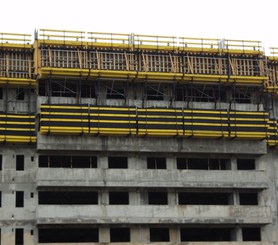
{"x": 104, "y": 234}
{"x": 171, "y": 163}
{"x": 236, "y": 198}
{"x": 174, "y": 234}
{"x": 172, "y": 198}
{"x": 233, "y": 164}
{"x": 142, "y": 234}
{"x": 103, "y": 197}
{"x": 236, "y": 234}
{"x": 103, "y": 162}
{"x": 132, "y": 162}
{"x": 134, "y": 198}
{"x": 8, "y": 235}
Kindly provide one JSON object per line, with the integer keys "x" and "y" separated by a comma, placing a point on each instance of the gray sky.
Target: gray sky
{"x": 230, "y": 19}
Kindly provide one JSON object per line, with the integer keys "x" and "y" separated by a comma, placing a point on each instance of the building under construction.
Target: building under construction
{"x": 137, "y": 139}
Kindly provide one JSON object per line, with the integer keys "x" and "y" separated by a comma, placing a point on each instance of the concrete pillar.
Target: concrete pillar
{"x": 233, "y": 164}
{"x": 104, "y": 234}
{"x": 143, "y": 234}
{"x": 171, "y": 163}
{"x": 134, "y": 198}
{"x": 236, "y": 198}
{"x": 132, "y": 162}
{"x": 236, "y": 234}
{"x": 103, "y": 162}
{"x": 174, "y": 234}
{"x": 103, "y": 197}
{"x": 172, "y": 198}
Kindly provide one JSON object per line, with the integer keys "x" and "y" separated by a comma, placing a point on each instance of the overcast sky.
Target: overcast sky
{"x": 230, "y": 19}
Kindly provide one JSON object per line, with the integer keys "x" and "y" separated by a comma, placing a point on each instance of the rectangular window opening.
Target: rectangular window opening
{"x": 246, "y": 164}
{"x": 20, "y": 94}
{"x": 0, "y": 162}
{"x": 251, "y": 234}
{"x": 248, "y": 198}
{"x": 19, "y": 199}
{"x": 118, "y": 198}
{"x": 19, "y": 162}
{"x": 68, "y": 235}
{"x": 117, "y": 162}
{"x": 120, "y": 234}
{"x": 204, "y": 198}
{"x": 156, "y": 163}
{"x": 158, "y": 198}
{"x": 68, "y": 197}
{"x": 202, "y": 163}
{"x": 19, "y": 236}
{"x": 205, "y": 234}
{"x": 159, "y": 235}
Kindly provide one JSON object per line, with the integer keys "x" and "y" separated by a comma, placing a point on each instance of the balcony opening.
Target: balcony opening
{"x": 158, "y": 198}
{"x": 117, "y": 162}
{"x": 205, "y": 234}
{"x": 88, "y": 91}
{"x": 19, "y": 199}
{"x": 156, "y": 163}
{"x": 251, "y": 234}
{"x": 19, "y": 94}
{"x": 68, "y": 198}
{"x": 115, "y": 93}
{"x": 118, "y": 198}
{"x": 248, "y": 198}
{"x": 19, "y": 236}
{"x": 159, "y": 235}
{"x": 67, "y": 161}
{"x": 202, "y": 163}
{"x": 119, "y": 234}
{"x": 204, "y": 198}
{"x": 68, "y": 235}
{"x": 246, "y": 164}
{"x": 19, "y": 162}
{"x": 84, "y": 162}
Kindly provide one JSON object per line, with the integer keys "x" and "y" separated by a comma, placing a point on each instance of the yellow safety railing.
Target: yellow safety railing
{"x": 61, "y": 35}
{"x": 110, "y": 38}
{"x": 15, "y": 38}
{"x": 149, "y": 40}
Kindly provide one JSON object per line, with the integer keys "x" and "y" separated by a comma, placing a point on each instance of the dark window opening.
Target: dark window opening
{"x": 67, "y": 198}
{"x": 67, "y": 161}
{"x": 19, "y": 236}
{"x": 88, "y": 91}
{"x": 158, "y": 198}
{"x": 251, "y": 234}
{"x": 154, "y": 93}
{"x": 1, "y": 93}
{"x": 118, "y": 198}
{"x": 68, "y": 235}
{"x": 159, "y": 235}
{"x": 19, "y": 162}
{"x": 64, "y": 88}
{"x": 19, "y": 199}
{"x": 205, "y": 234}
{"x": 115, "y": 93}
{"x": 202, "y": 163}
{"x": 246, "y": 164}
{"x": 117, "y": 162}
{"x": 0, "y": 162}
{"x": 119, "y": 234}
{"x": 20, "y": 94}
{"x": 248, "y": 198}
{"x": 31, "y": 232}
{"x": 242, "y": 95}
{"x": 203, "y": 198}
{"x": 32, "y": 195}
{"x": 32, "y": 159}
{"x": 0, "y": 199}
{"x": 156, "y": 163}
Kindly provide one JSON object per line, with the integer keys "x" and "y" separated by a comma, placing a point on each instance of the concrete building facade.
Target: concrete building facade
{"x": 114, "y": 138}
